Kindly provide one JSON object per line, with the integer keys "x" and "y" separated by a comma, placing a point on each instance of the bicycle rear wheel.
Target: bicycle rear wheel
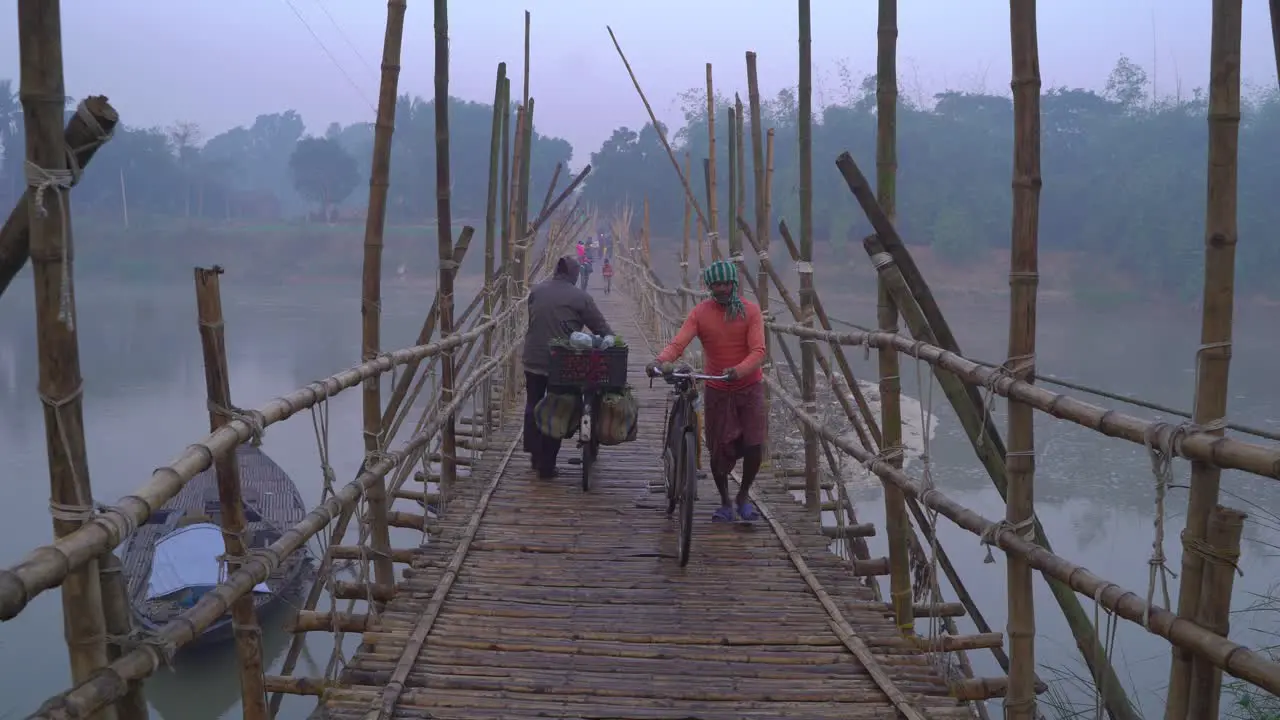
{"x": 589, "y": 445}
{"x": 688, "y": 482}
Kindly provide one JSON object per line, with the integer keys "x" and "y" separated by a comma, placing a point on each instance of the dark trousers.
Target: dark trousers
{"x": 542, "y": 449}
{"x": 608, "y": 284}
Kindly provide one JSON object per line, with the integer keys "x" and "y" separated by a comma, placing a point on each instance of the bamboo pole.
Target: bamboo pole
{"x": 49, "y": 214}
{"x": 684, "y": 254}
{"x": 106, "y": 686}
{"x": 735, "y": 241}
{"x": 872, "y": 439}
{"x": 1020, "y": 701}
{"x": 132, "y": 705}
{"x": 953, "y": 378}
{"x": 217, "y": 379}
{"x": 370, "y": 307}
{"x": 1222, "y": 551}
{"x": 87, "y": 130}
{"x": 713, "y": 200}
{"x": 1213, "y": 358}
{"x": 551, "y": 188}
{"x": 390, "y": 423}
{"x": 671, "y": 155}
{"x": 758, "y": 181}
{"x": 812, "y": 491}
{"x": 740, "y": 146}
{"x": 511, "y": 222}
{"x": 505, "y": 190}
{"x": 983, "y": 436}
{"x": 888, "y": 234}
{"x": 444, "y": 240}
{"x": 897, "y": 523}
{"x": 761, "y": 204}
{"x": 491, "y": 220}
{"x": 527, "y": 30}
{"x": 525, "y": 246}
{"x": 1236, "y": 659}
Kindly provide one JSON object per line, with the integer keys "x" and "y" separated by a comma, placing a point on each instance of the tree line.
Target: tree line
{"x": 273, "y": 169}
{"x": 1124, "y": 172}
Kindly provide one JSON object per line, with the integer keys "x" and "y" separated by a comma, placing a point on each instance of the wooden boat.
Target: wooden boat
{"x": 176, "y": 557}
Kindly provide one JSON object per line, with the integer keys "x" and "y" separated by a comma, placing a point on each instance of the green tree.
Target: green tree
{"x": 323, "y": 172}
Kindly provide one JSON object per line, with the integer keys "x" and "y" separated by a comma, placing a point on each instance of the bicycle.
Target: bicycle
{"x": 592, "y": 372}
{"x": 679, "y": 453}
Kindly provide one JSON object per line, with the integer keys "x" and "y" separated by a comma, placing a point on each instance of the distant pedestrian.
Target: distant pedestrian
{"x": 608, "y": 276}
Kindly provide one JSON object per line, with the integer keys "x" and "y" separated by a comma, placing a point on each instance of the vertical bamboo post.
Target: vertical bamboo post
{"x": 740, "y": 147}
{"x": 768, "y": 178}
{"x": 1213, "y": 359}
{"x": 1222, "y": 554}
{"x": 713, "y": 202}
{"x": 706, "y": 189}
{"x": 511, "y": 222}
{"x": 371, "y": 301}
{"x": 505, "y": 190}
{"x": 761, "y": 204}
{"x": 217, "y": 380}
{"x": 42, "y": 93}
{"x": 1020, "y": 702}
{"x": 684, "y": 256}
{"x": 812, "y": 490}
{"x": 527, "y": 28}
{"x": 119, "y": 622}
{"x": 897, "y": 523}
{"x": 490, "y": 228}
{"x": 735, "y": 240}
{"x": 444, "y": 240}
{"x": 526, "y": 243}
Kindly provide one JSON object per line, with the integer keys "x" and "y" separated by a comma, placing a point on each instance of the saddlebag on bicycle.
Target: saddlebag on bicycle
{"x": 557, "y": 414}
{"x": 619, "y": 417}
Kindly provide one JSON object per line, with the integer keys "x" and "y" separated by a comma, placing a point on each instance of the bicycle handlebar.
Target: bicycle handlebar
{"x": 688, "y": 375}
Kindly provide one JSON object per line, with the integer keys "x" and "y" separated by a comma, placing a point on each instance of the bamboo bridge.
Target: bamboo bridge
{"x": 518, "y": 598}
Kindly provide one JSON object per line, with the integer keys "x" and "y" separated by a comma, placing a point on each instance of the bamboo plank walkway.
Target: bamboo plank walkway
{"x": 569, "y": 605}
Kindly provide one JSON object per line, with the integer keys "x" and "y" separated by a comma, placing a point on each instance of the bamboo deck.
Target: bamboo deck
{"x": 568, "y": 605}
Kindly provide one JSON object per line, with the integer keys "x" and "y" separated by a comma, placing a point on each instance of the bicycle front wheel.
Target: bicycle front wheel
{"x": 688, "y": 480}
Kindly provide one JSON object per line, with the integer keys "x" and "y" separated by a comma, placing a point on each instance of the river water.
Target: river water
{"x": 144, "y": 401}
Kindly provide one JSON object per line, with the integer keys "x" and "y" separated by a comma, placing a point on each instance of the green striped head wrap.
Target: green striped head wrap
{"x": 723, "y": 271}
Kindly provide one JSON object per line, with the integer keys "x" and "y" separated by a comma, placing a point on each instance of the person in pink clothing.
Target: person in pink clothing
{"x": 732, "y": 334}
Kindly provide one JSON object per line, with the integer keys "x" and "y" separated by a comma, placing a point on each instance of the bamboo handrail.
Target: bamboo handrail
{"x": 1193, "y": 444}
{"x": 107, "y": 685}
{"x": 1232, "y": 657}
{"x": 47, "y": 566}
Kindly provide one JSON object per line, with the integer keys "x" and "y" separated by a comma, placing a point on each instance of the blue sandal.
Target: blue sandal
{"x": 747, "y": 512}
{"x": 722, "y": 514}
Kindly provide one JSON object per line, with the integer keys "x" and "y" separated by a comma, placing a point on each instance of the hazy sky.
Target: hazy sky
{"x": 222, "y": 62}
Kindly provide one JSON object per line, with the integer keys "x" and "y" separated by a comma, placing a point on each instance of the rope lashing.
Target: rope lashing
{"x": 253, "y": 418}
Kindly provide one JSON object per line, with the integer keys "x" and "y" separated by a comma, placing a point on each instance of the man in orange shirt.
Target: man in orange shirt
{"x": 732, "y": 334}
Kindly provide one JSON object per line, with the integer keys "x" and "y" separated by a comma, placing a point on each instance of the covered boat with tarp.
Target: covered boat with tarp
{"x": 178, "y": 555}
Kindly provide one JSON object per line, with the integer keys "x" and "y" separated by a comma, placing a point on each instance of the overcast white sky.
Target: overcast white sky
{"x": 222, "y": 62}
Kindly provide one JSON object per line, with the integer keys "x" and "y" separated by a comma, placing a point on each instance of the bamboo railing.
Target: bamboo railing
{"x": 654, "y": 303}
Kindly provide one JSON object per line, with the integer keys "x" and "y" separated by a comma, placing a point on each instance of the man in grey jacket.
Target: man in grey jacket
{"x": 557, "y": 308}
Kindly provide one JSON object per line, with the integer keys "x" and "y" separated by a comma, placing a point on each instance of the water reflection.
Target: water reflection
{"x": 144, "y": 401}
